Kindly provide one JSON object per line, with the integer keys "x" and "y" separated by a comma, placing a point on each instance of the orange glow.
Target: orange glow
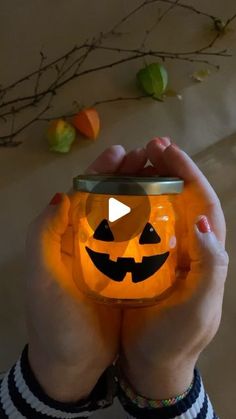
{"x": 92, "y": 281}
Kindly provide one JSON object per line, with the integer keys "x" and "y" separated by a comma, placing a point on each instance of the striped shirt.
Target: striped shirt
{"x": 22, "y": 397}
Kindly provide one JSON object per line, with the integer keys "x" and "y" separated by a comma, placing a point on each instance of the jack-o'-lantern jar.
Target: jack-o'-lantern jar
{"x": 125, "y": 237}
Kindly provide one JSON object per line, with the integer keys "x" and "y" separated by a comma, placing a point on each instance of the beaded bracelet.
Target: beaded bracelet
{"x": 143, "y": 402}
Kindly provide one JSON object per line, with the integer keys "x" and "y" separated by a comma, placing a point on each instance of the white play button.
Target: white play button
{"x": 117, "y": 210}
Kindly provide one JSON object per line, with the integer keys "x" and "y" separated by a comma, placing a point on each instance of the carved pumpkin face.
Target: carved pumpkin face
{"x": 140, "y": 268}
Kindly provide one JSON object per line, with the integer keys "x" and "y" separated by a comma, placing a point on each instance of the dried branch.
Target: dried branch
{"x": 68, "y": 66}
{"x": 43, "y": 69}
{"x": 137, "y": 54}
{"x": 186, "y": 6}
{"x": 7, "y": 140}
{"x": 39, "y": 73}
{"x": 128, "y": 16}
{"x": 159, "y": 19}
{"x": 119, "y": 99}
{"x": 160, "y": 54}
{"x": 97, "y": 103}
{"x": 110, "y": 32}
{"x": 230, "y": 20}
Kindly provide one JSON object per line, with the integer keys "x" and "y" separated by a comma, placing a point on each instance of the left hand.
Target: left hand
{"x": 161, "y": 343}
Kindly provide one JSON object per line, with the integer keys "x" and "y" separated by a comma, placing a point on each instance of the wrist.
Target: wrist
{"x": 23, "y": 396}
{"x": 160, "y": 382}
{"x": 60, "y": 382}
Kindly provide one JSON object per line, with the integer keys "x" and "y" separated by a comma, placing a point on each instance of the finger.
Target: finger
{"x": 200, "y": 197}
{"x": 164, "y": 141}
{"x": 45, "y": 233}
{"x": 148, "y": 171}
{"x": 67, "y": 240}
{"x": 109, "y": 161}
{"x": 174, "y": 161}
{"x": 134, "y": 161}
{"x": 198, "y": 193}
{"x": 178, "y": 163}
{"x": 106, "y": 163}
{"x": 209, "y": 260}
{"x": 155, "y": 149}
{"x": 202, "y": 291}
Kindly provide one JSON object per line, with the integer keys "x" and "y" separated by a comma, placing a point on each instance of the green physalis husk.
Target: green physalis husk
{"x": 60, "y": 136}
{"x": 153, "y": 80}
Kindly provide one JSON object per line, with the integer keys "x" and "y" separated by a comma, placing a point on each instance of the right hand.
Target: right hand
{"x": 72, "y": 340}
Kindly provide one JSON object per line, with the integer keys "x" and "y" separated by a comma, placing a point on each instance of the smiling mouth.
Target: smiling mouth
{"x": 117, "y": 270}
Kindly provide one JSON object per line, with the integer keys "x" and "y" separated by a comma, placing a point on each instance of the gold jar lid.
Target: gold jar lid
{"x": 128, "y": 185}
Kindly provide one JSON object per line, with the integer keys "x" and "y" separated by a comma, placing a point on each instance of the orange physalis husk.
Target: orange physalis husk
{"x": 87, "y": 122}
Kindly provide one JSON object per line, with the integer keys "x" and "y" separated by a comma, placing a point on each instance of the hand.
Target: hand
{"x": 71, "y": 339}
{"x": 161, "y": 344}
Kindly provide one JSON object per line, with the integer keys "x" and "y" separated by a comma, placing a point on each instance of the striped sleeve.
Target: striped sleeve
{"x": 22, "y": 397}
{"x": 196, "y": 405}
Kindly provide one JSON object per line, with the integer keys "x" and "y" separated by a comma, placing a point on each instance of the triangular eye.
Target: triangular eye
{"x": 103, "y": 232}
{"x": 149, "y": 235}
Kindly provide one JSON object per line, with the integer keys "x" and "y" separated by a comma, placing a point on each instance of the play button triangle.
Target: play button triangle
{"x": 117, "y": 209}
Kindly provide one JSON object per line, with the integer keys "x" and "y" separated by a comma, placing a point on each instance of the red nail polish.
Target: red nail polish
{"x": 164, "y": 141}
{"x": 56, "y": 199}
{"x": 203, "y": 225}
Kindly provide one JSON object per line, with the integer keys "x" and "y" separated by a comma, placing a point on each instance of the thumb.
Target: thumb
{"x": 43, "y": 243}
{"x": 208, "y": 257}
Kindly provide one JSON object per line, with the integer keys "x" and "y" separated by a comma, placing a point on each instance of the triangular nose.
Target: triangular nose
{"x": 117, "y": 209}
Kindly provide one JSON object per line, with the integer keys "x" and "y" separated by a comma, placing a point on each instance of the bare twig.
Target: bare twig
{"x": 137, "y": 53}
{"x": 186, "y": 6}
{"x": 196, "y": 52}
{"x": 7, "y": 140}
{"x": 97, "y": 103}
{"x": 128, "y": 16}
{"x": 119, "y": 99}
{"x": 4, "y": 139}
{"x": 159, "y": 19}
{"x": 111, "y": 31}
{"x": 230, "y": 20}
{"x": 44, "y": 68}
{"x": 39, "y": 73}
{"x": 68, "y": 66}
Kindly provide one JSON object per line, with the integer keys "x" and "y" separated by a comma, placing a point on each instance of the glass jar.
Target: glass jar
{"x": 130, "y": 259}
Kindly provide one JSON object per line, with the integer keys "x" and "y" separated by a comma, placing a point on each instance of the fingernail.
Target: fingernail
{"x": 203, "y": 224}
{"x": 175, "y": 146}
{"x": 56, "y": 199}
{"x": 164, "y": 141}
{"x": 141, "y": 150}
